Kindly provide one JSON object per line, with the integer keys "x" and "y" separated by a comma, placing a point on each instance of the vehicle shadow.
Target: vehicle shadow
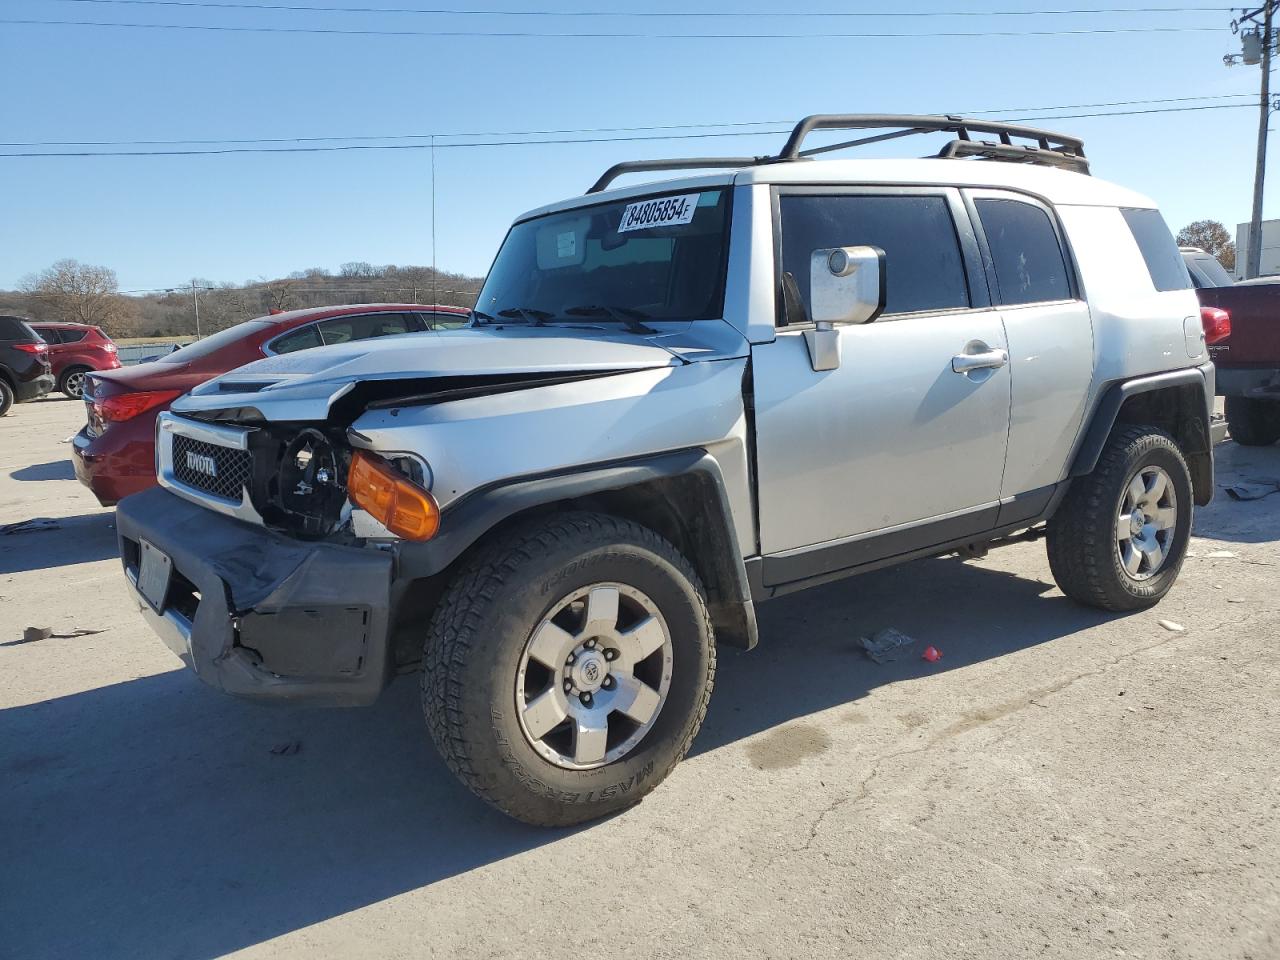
{"x": 152, "y": 818}
{"x": 53, "y": 470}
{"x": 77, "y": 539}
{"x": 810, "y": 658}
{"x": 1242, "y": 521}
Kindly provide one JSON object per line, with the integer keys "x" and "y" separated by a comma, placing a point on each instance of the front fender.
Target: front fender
{"x": 689, "y": 482}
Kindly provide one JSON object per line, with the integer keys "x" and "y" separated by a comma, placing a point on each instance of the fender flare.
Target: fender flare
{"x": 1113, "y": 398}
{"x": 719, "y": 561}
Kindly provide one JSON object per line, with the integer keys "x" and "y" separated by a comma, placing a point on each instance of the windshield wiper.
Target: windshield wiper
{"x": 535, "y": 318}
{"x": 627, "y": 316}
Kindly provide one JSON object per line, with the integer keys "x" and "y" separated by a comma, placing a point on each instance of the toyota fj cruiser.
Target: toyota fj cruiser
{"x": 673, "y": 402}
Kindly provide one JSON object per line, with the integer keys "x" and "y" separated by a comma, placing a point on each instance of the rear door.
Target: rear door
{"x": 1033, "y": 283}
{"x": 901, "y": 446}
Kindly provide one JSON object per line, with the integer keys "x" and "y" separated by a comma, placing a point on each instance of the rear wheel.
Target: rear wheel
{"x": 1119, "y": 538}
{"x": 1253, "y": 423}
{"x": 7, "y": 397}
{"x": 568, "y": 668}
{"x": 72, "y": 382}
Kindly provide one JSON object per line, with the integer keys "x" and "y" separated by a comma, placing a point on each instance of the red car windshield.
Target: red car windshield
{"x": 202, "y": 348}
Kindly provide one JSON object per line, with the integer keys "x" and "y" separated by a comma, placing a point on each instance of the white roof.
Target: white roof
{"x": 1049, "y": 183}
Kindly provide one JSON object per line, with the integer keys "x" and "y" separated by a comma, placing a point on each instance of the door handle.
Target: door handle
{"x": 986, "y": 360}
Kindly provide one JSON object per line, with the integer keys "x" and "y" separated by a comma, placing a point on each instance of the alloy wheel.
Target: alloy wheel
{"x": 594, "y": 676}
{"x": 1146, "y": 522}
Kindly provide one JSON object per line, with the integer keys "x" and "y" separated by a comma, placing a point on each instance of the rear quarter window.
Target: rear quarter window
{"x": 14, "y": 328}
{"x": 1161, "y": 253}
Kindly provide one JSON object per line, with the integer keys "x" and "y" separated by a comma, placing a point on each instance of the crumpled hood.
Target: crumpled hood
{"x": 303, "y": 385}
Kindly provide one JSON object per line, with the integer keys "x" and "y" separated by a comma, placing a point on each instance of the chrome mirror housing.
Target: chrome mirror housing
{"x": 846, "y": 285}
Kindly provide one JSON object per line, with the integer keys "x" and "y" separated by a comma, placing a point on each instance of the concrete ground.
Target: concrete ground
{"x": 1062, "y": 783}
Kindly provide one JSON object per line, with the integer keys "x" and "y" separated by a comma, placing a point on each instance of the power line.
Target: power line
{"x": 575, "y": 140}
{"x": 567, "y": 130}
{"x": 550, "y": 34}
{"x": 738, "y": 14}
{"x": 413, "y": 136}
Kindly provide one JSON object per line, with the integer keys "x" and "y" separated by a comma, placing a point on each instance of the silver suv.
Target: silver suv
{"x": 673, "y": 402}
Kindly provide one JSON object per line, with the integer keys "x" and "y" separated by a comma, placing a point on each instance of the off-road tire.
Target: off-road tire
{"x": 7, "y": 396}
{"x": 479, "y": 631}
{"x": 1082, "y": 533}
{"x": 1253, "y": 423}
{"x": 65, "y": 380}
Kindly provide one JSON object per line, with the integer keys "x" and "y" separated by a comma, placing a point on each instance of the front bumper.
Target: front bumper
{"x": 259, "y": 615}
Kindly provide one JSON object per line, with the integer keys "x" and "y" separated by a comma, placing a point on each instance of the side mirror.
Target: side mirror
{"x": 846, "y": 285}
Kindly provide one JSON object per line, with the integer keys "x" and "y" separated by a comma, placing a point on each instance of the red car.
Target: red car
{"x": 114, "y": 455}
{"x": 74, "y": 350}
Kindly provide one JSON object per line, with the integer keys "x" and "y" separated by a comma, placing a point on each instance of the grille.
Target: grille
{"x": 221, "y": 471}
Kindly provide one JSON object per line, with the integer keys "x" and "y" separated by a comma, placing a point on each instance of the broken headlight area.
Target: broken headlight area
{"x": 300, "y": 479}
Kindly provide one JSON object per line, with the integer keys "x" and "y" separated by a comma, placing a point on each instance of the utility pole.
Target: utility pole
{"x": 1257, "y": 45}
{"x": 1254, "y": 266}
{"x": 195, "y": 303}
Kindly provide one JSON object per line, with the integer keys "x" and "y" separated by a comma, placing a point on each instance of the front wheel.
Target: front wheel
{"x": 568, "y": 668}
{"x": 1119, "y": 538}
{"x": 7, "y": 397}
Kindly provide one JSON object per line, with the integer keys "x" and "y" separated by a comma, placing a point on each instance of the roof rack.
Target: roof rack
{"x": 1046, "y": 148}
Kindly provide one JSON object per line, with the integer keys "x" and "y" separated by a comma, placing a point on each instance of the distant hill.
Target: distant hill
{"x": 168, "y": 314}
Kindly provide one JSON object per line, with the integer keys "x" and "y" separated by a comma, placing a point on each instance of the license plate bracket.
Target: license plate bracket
{"x": 154, "y": 570}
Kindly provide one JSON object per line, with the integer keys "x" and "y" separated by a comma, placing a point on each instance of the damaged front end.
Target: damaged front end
{"x": 257, "y": 614}
{"x": 294, "y": 533}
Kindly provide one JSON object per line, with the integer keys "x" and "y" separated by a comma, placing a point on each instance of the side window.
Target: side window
{"x": 1030, "y": 267}
{"x": 304, "y": 338}
{"x": 447, "y": 321}
{"x": 70, "y": 335}
{"x": 366, "y": 326}
{"x": 48, "y": 334}
{"x": 923, "y": 266}
{"x": 1164, "y": 260}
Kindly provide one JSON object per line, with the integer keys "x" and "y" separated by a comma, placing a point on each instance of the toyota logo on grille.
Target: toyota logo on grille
{"x": 201, "y": 463}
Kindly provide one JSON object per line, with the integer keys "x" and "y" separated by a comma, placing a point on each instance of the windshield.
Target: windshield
{"x": 656, "y": 258}
{"x": 202, "y": 348}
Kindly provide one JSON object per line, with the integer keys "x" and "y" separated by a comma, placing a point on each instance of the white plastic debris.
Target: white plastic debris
{"x": 1172, "y": 626}
{"x": 1220, "y": 555}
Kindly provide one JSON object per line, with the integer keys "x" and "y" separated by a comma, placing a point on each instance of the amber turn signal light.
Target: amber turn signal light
{"x": 391, "y": 498}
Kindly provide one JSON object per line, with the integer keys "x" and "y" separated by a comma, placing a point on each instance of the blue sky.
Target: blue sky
{"x": 159, "y": 221}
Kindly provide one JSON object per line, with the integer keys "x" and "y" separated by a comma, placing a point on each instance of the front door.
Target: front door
{"x": 904, "y": 443}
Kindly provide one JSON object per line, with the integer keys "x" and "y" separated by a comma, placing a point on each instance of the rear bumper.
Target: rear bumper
{"x": 262, "y": 616}
{"x": 1260, "y": 383}
{"x": 120, "y": 462}
{"x": 34, "y": 388}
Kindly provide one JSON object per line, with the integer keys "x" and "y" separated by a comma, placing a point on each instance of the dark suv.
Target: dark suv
{"x": 24, "y": 364}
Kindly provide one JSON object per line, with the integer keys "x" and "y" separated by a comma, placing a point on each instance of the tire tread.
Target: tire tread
{"x": 1080, "y": 531}
{"x": 460, "y": 612}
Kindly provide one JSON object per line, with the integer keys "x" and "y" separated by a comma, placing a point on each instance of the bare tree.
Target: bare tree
{"x": 279, "y": 295}
{"x": 80, "y": 293}
{"x": 1211, "y": 237}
